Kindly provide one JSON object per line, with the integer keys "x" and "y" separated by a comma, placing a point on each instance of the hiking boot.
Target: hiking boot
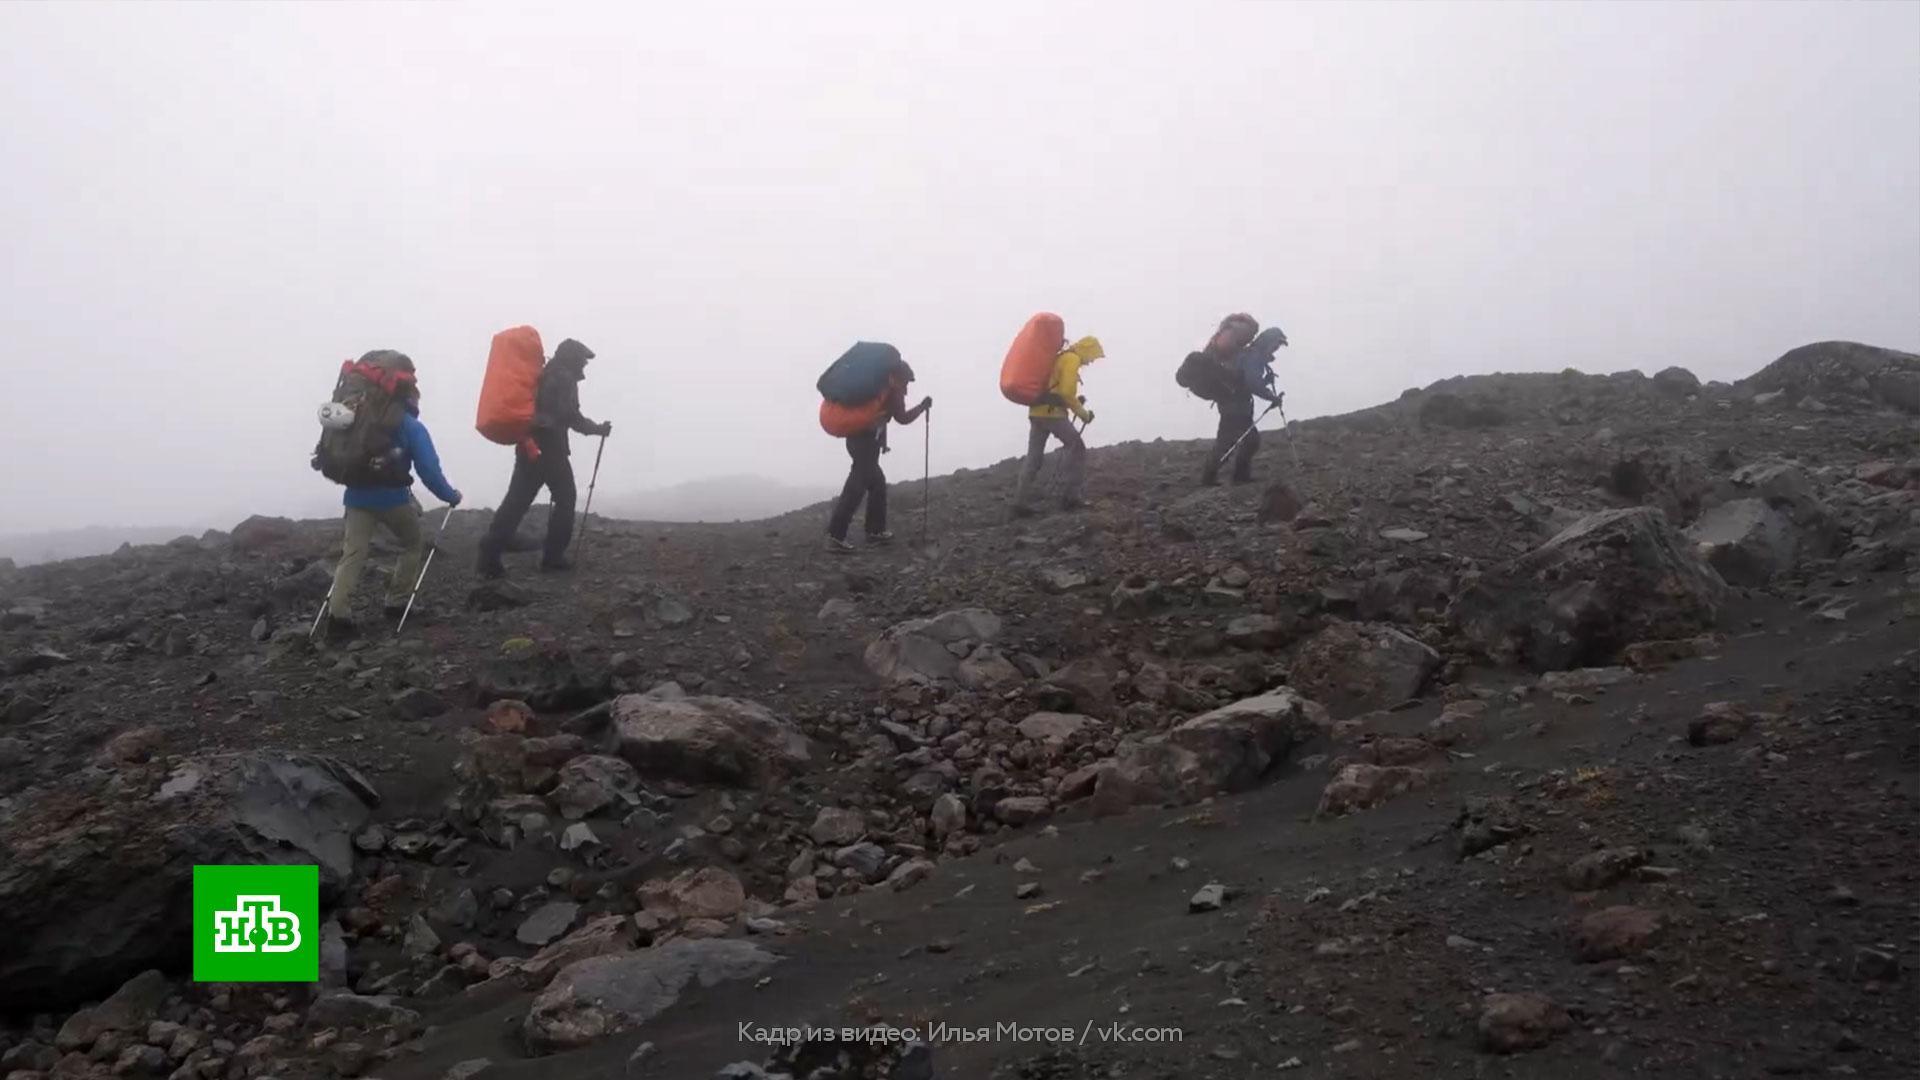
{"x": 556, "y": 566}
{"x": 880, "y": 539}
{"x": 490, "y": 567}
{"x": 395, "y": 611}
{"x": 338, "y": 631}
{"x": 837, "y": 546}
{"x": 1022, "y": 510}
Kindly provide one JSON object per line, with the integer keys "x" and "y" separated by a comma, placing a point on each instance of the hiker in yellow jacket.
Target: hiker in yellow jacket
{"x": 1049, "y": 419}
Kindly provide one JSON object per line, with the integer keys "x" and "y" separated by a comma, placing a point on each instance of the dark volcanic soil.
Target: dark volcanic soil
{"x": 1732, "y": 900}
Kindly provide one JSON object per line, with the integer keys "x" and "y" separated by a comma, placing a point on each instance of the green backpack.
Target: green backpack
{"x": 359, "y": 428}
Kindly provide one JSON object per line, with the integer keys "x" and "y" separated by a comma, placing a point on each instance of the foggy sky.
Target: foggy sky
{"x": 207, "y": 208}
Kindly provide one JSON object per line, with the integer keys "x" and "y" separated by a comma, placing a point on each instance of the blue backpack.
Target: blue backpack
{"x": 861, "y": 373}
{"x": 1255, "y": 363}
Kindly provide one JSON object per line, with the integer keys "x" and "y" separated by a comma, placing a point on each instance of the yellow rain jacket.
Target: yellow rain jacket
{"x": 1065, "y": 384}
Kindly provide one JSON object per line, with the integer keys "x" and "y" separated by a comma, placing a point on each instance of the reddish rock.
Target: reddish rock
{"x": 1358, "y": 787}
{"x": 1616, "y": 932}
{"x": 509, "y": 717}
{"x": 1720, "y": 722}
{"x": 1511, "y": 1023}
{"x": 706, "y": 893}
{"x": 1602, "y": 868}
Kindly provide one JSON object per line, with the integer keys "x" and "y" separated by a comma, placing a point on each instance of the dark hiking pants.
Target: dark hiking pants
{"x": 1039, "y": 430}
{"x": 553, "y": 471}
{"x": 1236, "y": 418}
{"x": 865, "y": 481}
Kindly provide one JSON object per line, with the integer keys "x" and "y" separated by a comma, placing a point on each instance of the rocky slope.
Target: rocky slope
{"x": 1561, "y": 716}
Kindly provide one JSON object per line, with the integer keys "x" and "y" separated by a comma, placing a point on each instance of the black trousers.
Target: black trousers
{"x": 865, "y": 481}
{"x": 1236, "y": 417}
{"x": 553, "y": 471}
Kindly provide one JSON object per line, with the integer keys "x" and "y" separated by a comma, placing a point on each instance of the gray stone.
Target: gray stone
{"x": 1256, "y": 631}
{"x": 595, "y": 782}
{"x": 130, "y": 1009}
{"x": 838, "y": 610}
{"x": 421, "y": 940}
{"x": 1354, "y": 668}
{"x": 866, "y": 860}
{"x": 333, "y": 954}
{"x": 1054, "y": 728}
{"x": 1022, "y": 809}
{"x": 609, "y": 995}
{"x": 708, "y": 739}
{"x": 985, "y": 670}
{"x": 837, "y": 827}
{"x": 1608, "y": 581}
{"x": 949, "y": 816}
{"x": 547, "y": 923}
{"x": 1228, "y": 749}
{"x": 340, "y": 1009}
{"x": 1746, "y": 540}
{"x": 917, "y": 651}
{"x": 1062, "y": 579}
{"x": 1210, "y": 897}
{"x": 459, "y": 909}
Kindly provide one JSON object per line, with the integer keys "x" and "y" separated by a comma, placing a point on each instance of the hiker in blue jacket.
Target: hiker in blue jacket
{"x": 1251, "y": 376}
{"x": 395, "y": 509}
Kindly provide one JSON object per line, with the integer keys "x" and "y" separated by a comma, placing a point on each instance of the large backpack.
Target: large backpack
{"x": 1027, "y": 372}
{"x": 1254, "y": 365}
{"x": 845, "y": 419}
{"x": 359, "y": 428}
{"x": 861, "y": 373}
{"x": 510, "y": 388}
{"x": 1201, "y": 374}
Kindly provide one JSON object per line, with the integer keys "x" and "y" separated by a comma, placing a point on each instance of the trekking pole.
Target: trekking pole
{"x": 586, "y": 512}
{"x": 432, "y": 550}
{"x": 926, "y": 477}
{"x": 321, "y": 614}
{"x": 1224, "y": 458}
{"x": 1287, "y": 432}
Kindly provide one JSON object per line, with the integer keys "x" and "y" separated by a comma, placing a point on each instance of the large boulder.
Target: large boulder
{"x": 607, "y": 995}
{"x": 1785, "y": 487}
{"x": 1607, "y": 581}
{"x": 1232, "y": 748}
{"x": 930, "y": 650}
{"x": 1746, "y": 541}
{"x": 96, "y": 877}
{"x": 1832, "y": 369}
{"x": 259, "y": 533}
{"x": 708, "y": 739}
{"x": 549, "y": 679}
{"x": 1353, "y": 668}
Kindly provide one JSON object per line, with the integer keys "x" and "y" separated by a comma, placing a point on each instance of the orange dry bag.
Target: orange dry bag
{"x": 1028, "y": 369}
{"x": 512, "y": 381}
{"x": 845, "y": 421}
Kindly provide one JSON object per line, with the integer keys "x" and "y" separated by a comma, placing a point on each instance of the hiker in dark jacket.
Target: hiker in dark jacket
{"x": 866, "y": 480}
{"x": 549, "y": 463}
{"x": 1250, "y": 376}
{"x": 1235, "y": 333}
{"x": 394, "y": 509}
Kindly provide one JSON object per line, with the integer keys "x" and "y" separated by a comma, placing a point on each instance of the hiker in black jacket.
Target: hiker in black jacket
{"x": 556, "y": 413}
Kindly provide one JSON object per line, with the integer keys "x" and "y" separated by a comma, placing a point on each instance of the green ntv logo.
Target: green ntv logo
{"x": 256, "y": 924}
